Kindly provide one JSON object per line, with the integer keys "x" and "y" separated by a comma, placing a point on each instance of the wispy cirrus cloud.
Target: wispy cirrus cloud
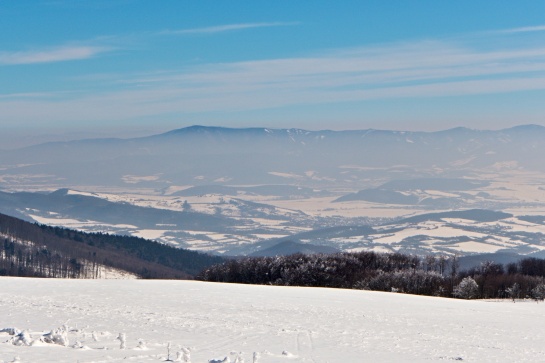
{"x": 226, "y": 28}
{"x": 359, "y": 73}
{"x": 25, "y": 95}
{"x": 526, "y": 29}
{"x": 80, "y": 52}
{"x": 50, "y": 55}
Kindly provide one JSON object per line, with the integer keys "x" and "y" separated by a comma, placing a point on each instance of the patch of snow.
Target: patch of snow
{"x": 286, "y": 175}
{"x": 475, "y": 247}
{"x": 432, "y": 229}
{"x": 151, "y": 234}
{"x": 75, "y": 192}
{"x": 134, "y": 179}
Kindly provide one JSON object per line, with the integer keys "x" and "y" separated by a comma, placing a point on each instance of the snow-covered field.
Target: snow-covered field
{"x": 254, "y": 219}
{"x": 281, "y": 324}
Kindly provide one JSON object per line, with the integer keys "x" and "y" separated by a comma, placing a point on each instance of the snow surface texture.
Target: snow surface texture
{"x": 226, "y": 322}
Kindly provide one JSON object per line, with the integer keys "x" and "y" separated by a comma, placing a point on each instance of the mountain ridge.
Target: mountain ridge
{"x": 211, "y": 130}
{"x": 202, "y": 155}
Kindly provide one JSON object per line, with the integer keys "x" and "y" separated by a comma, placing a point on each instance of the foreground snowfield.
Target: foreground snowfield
{"x": 283, "y": 324}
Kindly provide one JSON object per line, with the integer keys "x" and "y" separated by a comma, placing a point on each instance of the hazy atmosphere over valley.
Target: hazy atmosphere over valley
{"x": 134, "y": 134}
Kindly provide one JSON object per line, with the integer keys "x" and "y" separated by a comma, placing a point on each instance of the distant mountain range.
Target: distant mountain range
{"x": 201, "y": 155}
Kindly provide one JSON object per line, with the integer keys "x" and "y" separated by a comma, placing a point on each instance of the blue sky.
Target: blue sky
{"x": 123, "y": 67}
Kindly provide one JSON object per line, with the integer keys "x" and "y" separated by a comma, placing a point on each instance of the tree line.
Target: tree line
{"x": 428, "y": 275}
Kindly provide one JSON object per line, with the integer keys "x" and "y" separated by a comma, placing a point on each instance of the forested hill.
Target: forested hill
{"x": 28, "y": 249}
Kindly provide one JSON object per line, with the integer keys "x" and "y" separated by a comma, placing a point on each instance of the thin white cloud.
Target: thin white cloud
{"x": 59, "y": 54}
{"x": 226, "y": 28}
{"x": 368, "y": 68}
{"x": 25, "y": 95}
{"x": 526, "y": 29}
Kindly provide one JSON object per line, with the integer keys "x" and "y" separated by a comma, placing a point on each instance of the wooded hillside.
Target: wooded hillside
{"x": 28, "y": 249}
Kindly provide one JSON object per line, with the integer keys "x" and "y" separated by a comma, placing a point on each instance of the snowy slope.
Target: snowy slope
{"x": 306, "y": 324}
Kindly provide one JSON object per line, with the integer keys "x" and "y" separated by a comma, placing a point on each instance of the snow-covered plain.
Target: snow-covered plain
{"x": 281, "y": 324}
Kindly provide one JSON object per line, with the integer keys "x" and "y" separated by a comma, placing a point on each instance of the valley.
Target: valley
{"x": 238, "y": 191}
